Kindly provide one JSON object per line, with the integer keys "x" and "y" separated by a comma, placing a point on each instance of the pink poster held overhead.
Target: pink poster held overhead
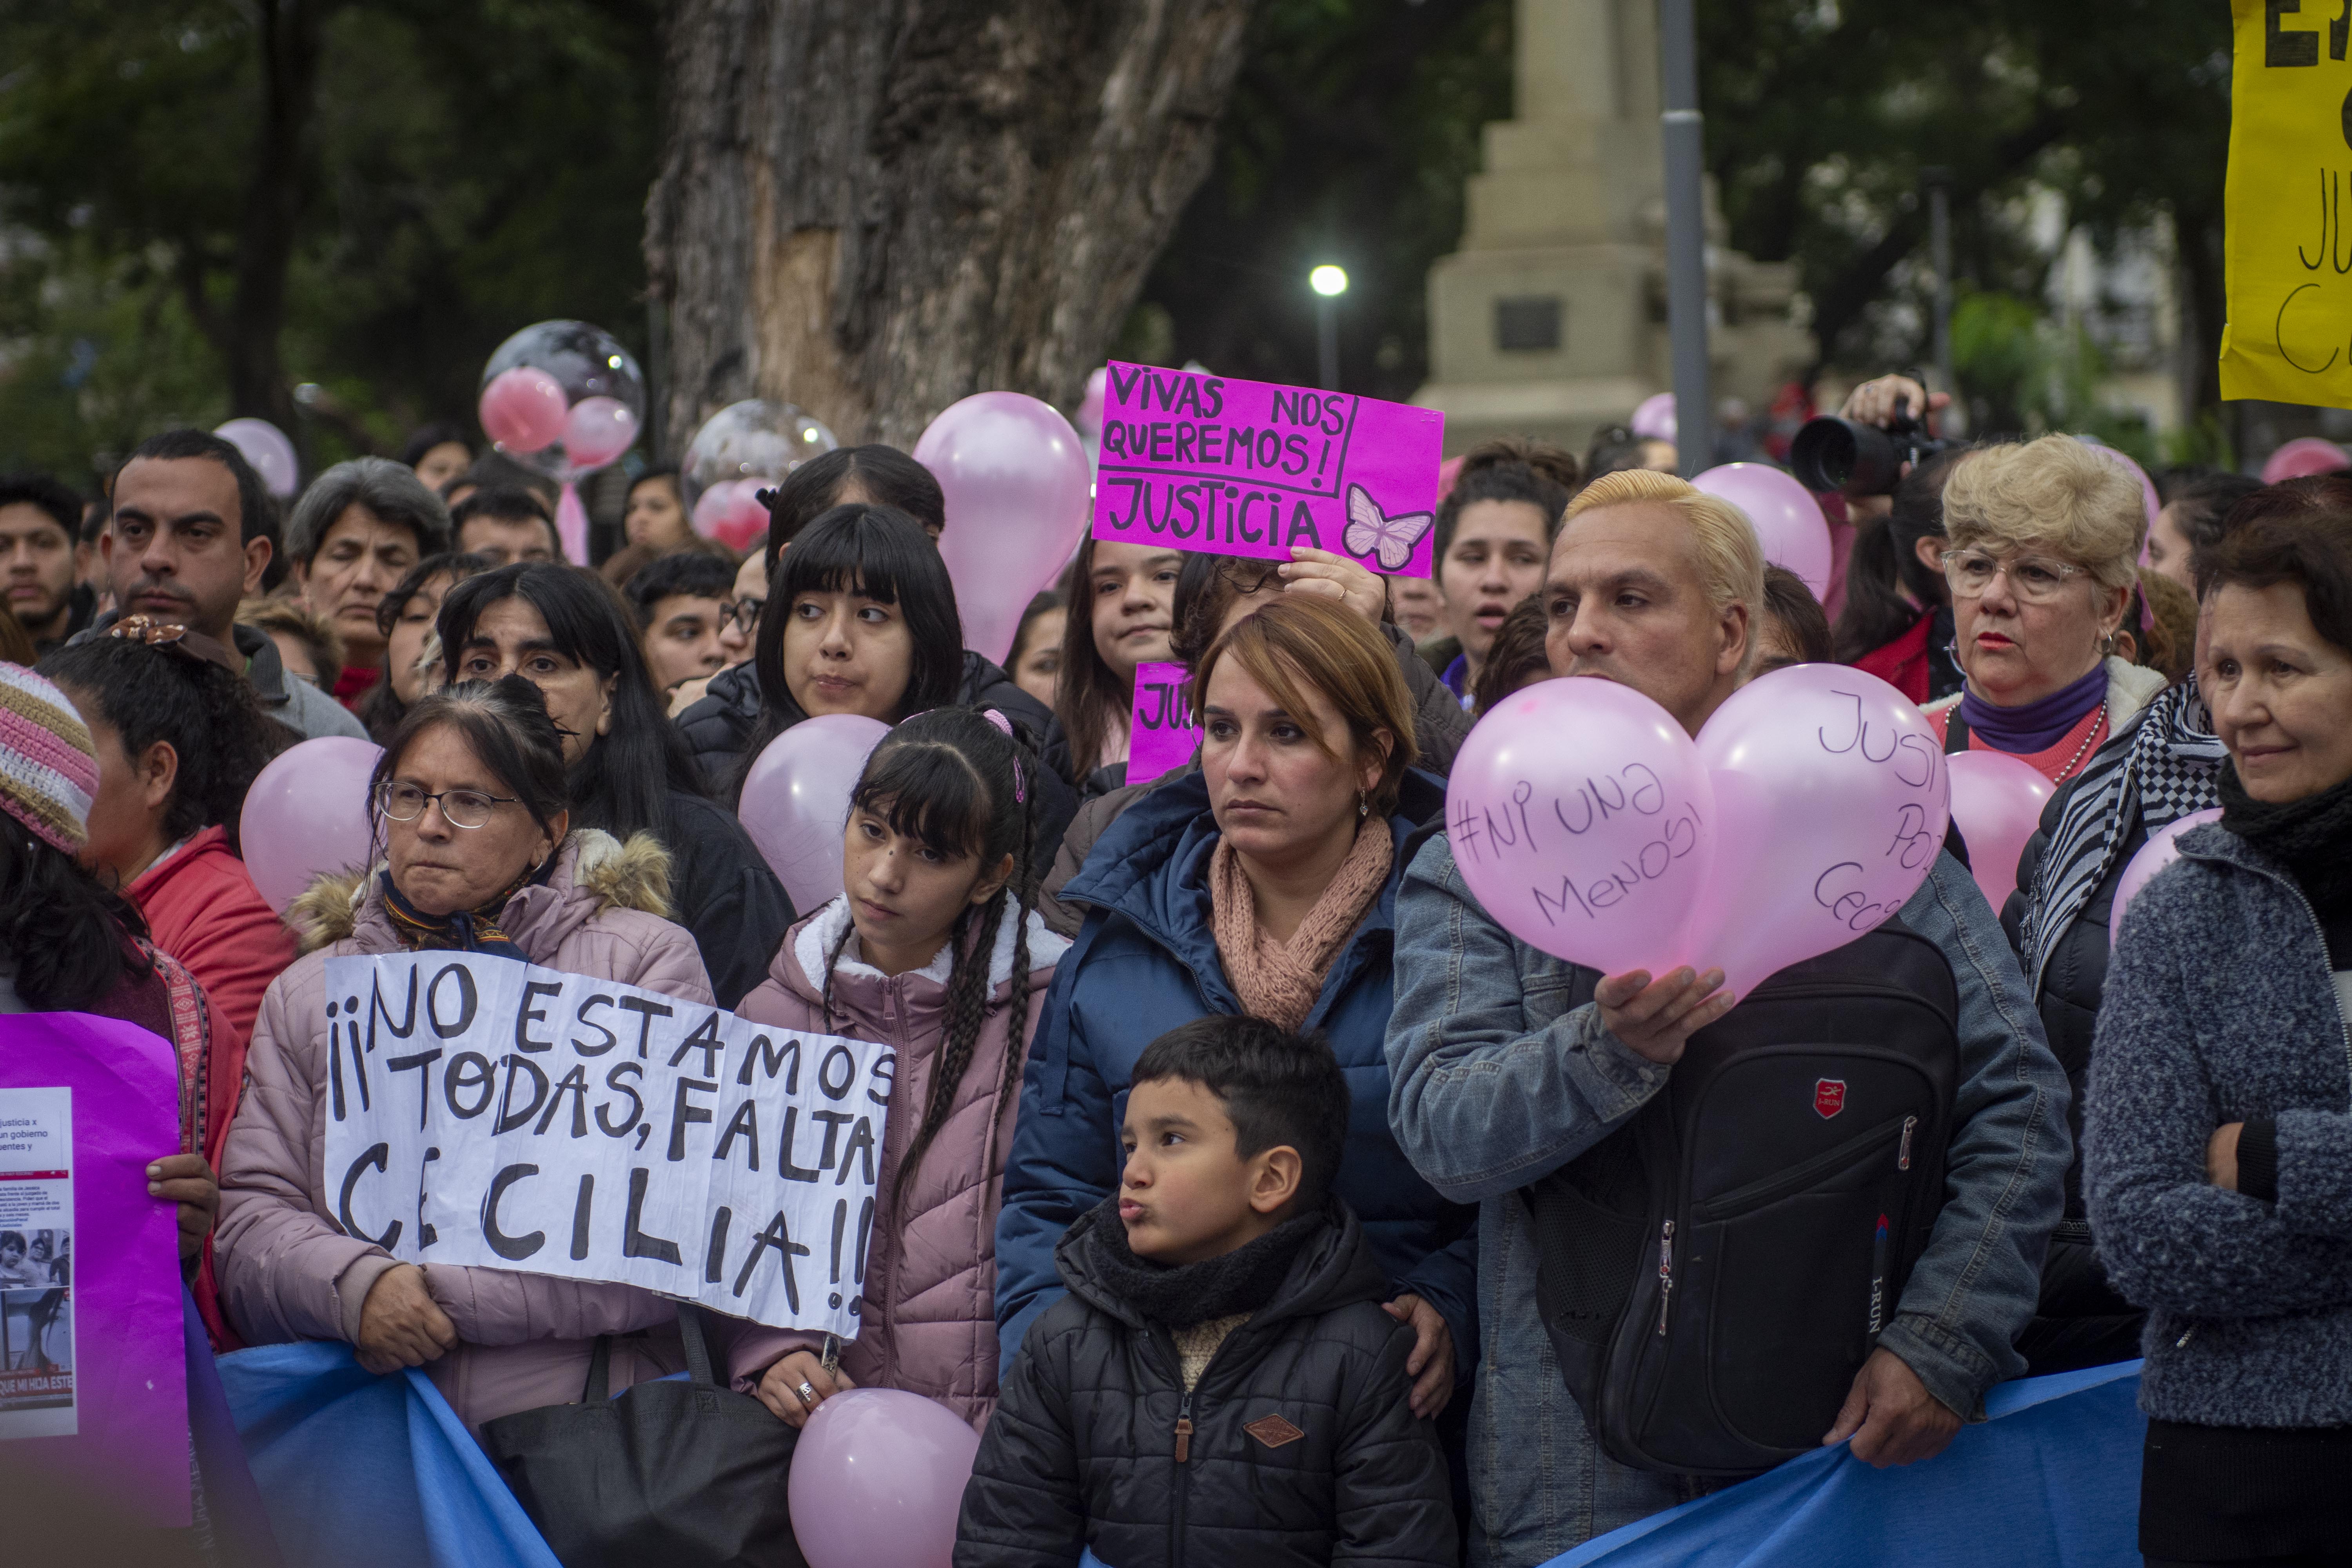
{"x": 1160, "y": 733}
{"x": 1245, "y": 468}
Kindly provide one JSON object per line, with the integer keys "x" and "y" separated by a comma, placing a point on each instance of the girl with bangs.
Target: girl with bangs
{"x": 934, "y": 948}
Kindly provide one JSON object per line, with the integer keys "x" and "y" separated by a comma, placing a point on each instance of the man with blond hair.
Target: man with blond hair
{"x": 1508, "y": 1064}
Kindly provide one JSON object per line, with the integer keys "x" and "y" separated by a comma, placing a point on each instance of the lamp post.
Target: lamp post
{"x": 1685, "y": 234}
{"x": 1328, "y": 282}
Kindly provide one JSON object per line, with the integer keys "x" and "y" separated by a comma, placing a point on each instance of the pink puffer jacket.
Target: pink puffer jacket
{"x": 929, "y": 1307}
{"x": 287, "y": 1271}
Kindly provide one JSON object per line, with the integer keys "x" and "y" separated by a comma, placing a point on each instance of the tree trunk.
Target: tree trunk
{"x": 874, "y": 207}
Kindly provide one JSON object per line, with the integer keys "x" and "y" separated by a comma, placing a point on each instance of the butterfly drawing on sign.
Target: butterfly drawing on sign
{"x": 1371, "y": 530}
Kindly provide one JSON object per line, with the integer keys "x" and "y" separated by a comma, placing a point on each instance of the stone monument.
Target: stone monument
{"x": 1550, "y": 321}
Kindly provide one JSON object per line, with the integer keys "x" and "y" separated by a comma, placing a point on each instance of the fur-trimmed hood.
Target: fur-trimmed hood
{"x": 594, "y": 872}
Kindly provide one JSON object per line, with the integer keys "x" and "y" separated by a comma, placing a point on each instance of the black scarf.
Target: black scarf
{"x": 1182, "y": 1294}
{"x": 2312, "y": 837}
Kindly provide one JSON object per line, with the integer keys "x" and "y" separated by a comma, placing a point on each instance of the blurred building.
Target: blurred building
{"x": 1550, "y": 320}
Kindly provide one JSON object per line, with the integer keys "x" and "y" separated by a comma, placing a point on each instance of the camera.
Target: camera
{"x": 1833, "y": 454}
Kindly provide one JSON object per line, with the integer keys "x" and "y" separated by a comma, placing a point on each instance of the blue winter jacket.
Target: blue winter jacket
{"x": 1146, "y": 960}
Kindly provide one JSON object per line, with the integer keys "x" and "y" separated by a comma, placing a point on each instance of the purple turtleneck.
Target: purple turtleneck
{"x": 2035, "y": 726}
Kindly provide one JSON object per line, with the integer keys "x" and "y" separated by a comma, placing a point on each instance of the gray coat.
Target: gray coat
{"x": 2219, "y": 1006}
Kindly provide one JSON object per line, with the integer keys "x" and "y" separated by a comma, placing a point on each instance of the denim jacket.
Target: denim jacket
{"x": 1502, "y": 1073}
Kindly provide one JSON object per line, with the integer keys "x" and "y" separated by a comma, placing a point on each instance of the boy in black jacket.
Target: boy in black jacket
{"x": 1221, "y": 1385}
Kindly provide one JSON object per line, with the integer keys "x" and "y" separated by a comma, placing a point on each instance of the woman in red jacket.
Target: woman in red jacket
{"x": 178, "y": 738}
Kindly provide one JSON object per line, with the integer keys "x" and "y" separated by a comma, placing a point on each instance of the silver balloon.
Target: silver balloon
{"x": 754, "y": 440}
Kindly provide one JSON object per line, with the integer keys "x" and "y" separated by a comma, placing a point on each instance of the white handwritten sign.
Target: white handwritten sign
{"x": 495, "y": 1114}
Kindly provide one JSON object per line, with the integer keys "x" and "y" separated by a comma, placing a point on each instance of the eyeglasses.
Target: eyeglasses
{"x": 744, "y": 613}
{"x": 459, "y": 807}
{"x": 2034, "y": 579}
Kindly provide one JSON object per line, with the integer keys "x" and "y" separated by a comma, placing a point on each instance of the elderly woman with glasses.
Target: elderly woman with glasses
{"x": 2044, "y": 556}
{"x": 478, "y": 854}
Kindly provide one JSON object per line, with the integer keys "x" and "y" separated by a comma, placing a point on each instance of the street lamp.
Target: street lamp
{"x": 1328, "y": 282}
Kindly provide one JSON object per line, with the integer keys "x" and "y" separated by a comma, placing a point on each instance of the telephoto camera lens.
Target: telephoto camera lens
{"x": 1833, "y": 454}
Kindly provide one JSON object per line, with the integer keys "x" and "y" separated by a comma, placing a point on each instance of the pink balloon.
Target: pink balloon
{"x": 598, "y": 430}
{"x": 878, "y": 1480}
{"x": 2303, "y": 456}
{"x": 571, "y": 524}
{"x": 1829, "y": 801}
{"x": 797, "y": 801}
{"x": 265, "y": 446}
{"x": 1581, "y": 818}
{"x": 1997, "y": 801}
{"x": 2162, "y": 849}
{"x": 523, "y": 409}
{"x": 1090, "y": 408}
{"x": 1020, "y": 493}
{"x": 306, "y": 815}
{"x": 2149, "y": 503}
{"x": 1655, "y": 417}
{"x": 1787, "y": 519}
{"x": 730, "y": 512}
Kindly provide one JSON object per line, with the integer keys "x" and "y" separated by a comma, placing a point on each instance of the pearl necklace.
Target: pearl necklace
{"x": 2098, "y": 727}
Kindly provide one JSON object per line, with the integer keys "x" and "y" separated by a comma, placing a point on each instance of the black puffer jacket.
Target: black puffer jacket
{"x": 722, "y": 892}
{"x": 1082, "y": 1449}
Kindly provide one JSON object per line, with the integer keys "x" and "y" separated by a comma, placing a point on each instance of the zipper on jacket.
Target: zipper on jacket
{"x": 1665, "y": 1274}
{"x": 1903, "y": 1155}
{"x": 2321, "y": 932}
{"x": 1185, "y": 1429}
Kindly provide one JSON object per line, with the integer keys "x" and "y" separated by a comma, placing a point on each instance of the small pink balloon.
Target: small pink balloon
{"x": 1655, "y": 417}
{"x": 2303, "y": 456}
{"x": 307, "y": 816}
{"x": 265, "y": 446}
{"x": 2162, "y": 849}
{"x": 1447, "y": 472}
{"x": 795, "y": 801}
{"x": 523, "y": 409}
{"x": 1089, "y": 423}
{"x": 878, "y": 1480}
{"x": 1020, "y": 493}
{"x": 1581, "y": 818}
{"x": 1830, "y": 797}
{"x": 1997, "y": 800}
{"x": 730, "y": 512}
{"x": 598, "y": 430}
{"x": 2149, "y": 503}
{"x": 1787, "y": 519}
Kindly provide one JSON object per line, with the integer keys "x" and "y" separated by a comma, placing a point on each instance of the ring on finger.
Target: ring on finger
{"x": 807, "y": 1393}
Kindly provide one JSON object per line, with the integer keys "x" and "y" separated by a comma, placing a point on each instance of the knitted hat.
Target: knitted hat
{"x": 48, "y": 769}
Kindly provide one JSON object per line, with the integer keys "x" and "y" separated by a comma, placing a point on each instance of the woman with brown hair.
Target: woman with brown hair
{"x": 1262, "y": 883}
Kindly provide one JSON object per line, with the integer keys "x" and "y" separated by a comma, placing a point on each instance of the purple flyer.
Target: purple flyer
{"x": 1246, "y": 467}
{"x": 93, "y": 1371}
{"x": 1160, "y": 735}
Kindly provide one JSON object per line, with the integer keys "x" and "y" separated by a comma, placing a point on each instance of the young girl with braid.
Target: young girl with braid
{"x": 934, "y": 948}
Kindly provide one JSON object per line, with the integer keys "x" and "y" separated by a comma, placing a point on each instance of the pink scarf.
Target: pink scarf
{"x": 1279, "y": 981}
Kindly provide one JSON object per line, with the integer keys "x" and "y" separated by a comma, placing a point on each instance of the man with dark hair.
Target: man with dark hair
{"x": 1223, "y": 1265}
{"x": 682, "y": 601}
{"x": 38, "y": 554}
{"x": 1793, "y": 628}
{"x": 193, "y": 533}
{"x": 355, "y": 533}
{"x": 503, "y": 525}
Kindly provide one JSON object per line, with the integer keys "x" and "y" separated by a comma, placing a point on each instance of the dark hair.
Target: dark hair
{"x": 41, "y": 490}
{"x": 381, "y": 710}
{"x": 1279, "y": 1087}
{"x": 1789, "y": 602}
{"x": 504, "y": 723}
{"x": 661, "y": 471}
{"x": 882, "y": 553}
{"x": 15, "y": 642}
{"x": 207, "y": 714}
{"x": 1615, "y": 448}
{"x": 687, "y": 571}
{"x": 98, "y": 514}
{"x": 888, "y": 476}
{"x": 1206, "y": 588}
{"x": 65, "y": 934}
{"x": 18, "y": 1237}
{"x": 1047, "y": 599}
{"x": 1885, "y": 566}
{"x": 257, "y": 511}
{"x": 1517, "y": 652}
{"x": 622, "y": 783}
{"x": 1091, "y": 701}
{"x": 2202, "y": 508}
{"x": 2167, "y": 638}
{"x": 440, "y": 433}
{"x": 953, "y": 780}
{"x": 1510, "y": 468}
{"x": 504, "y": 504}
{"x": 2298, "y": 531}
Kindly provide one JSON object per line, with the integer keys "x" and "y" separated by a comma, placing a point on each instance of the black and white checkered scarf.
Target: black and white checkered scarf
{"x": 2163, "y": 768}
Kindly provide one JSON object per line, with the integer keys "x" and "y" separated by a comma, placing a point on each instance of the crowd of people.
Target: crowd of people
{"x": 1244, "y": 1180}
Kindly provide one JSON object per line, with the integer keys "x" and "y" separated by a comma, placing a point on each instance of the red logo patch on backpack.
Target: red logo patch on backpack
{"x": 1829, "y": 1096}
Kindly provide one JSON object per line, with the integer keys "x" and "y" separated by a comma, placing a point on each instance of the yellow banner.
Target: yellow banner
{"x": 2288, "y": 252}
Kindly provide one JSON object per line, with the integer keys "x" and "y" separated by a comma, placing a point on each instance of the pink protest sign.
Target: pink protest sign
{"x": 95, "y": 1390}
{"x": 1160, "y": 733}
{"x": 1245, "y": 468}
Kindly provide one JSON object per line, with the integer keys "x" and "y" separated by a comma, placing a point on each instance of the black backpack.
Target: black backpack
{"x": 1713, "y": 1274}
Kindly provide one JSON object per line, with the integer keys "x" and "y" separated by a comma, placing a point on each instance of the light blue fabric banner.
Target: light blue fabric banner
{"x": 361, "y": 1471}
